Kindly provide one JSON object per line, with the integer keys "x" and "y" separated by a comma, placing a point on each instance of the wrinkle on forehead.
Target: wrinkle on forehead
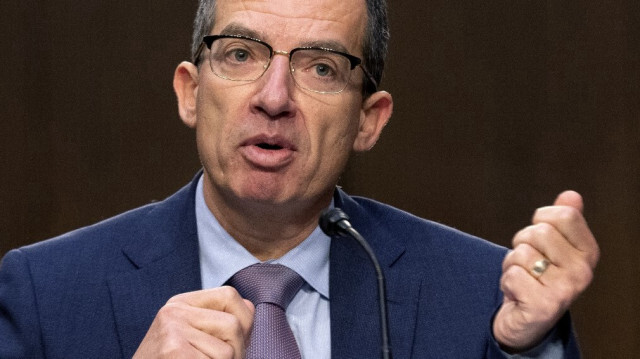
{"x": 238, "y": 29}
{"x": 303, "y": 20}
{"x": 325, "y": 10}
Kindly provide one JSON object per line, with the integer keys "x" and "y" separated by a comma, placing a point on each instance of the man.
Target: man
{"x": 278, "y": 100}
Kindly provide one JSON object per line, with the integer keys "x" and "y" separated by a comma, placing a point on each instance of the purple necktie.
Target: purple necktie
{"x": 270, "y": 287}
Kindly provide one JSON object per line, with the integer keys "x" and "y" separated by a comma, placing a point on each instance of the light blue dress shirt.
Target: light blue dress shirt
{"x": 308, "y": 314}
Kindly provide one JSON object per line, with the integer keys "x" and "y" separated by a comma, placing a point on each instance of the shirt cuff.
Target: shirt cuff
{"x": 551, "y": 348}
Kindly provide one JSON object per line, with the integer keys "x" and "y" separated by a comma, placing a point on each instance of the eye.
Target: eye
{"x": 241, "y": 51}
{"x": 323, "y": 70}
{"x": 240, "y": 55}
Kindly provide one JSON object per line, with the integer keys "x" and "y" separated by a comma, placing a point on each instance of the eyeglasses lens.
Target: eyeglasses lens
{"x": 240, "y": 59}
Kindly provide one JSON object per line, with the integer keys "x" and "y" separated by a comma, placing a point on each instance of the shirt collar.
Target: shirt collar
{"x": 221, "y": 256}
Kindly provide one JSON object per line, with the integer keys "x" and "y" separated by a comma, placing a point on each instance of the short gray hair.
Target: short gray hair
{"x": 374, "y": 48}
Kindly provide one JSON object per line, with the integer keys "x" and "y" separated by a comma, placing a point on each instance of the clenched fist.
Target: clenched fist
{"x": 210, "y": 323}
{"x": 551, "y": 263}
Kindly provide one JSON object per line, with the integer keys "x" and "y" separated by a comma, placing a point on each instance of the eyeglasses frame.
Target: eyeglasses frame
{"x": 370, "y": 87}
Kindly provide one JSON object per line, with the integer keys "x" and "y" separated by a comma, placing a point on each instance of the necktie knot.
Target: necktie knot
{"x": 267, "y": 283}
{"x": 270, "y": 287}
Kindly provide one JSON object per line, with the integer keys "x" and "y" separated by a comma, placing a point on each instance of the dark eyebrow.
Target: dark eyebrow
{"x": 326, "y": 44}
{"x": 238, "y": 29}
{"x": 235, "y": 28}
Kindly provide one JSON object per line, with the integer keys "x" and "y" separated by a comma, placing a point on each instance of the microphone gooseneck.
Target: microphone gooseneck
{"x": 334, "y": 222}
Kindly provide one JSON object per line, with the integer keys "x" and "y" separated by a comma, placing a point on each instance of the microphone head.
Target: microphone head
{"x": 330, "y": 221}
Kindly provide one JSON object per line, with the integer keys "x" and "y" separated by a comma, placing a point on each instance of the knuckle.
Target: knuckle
{"x": 234, "y": 326}
{"x": 509, "y": 259}
{"x": 226, "y": 351}
{"x": 228, "y": 293}
{"x": 583, "y": 274}
{"x": 594, "y": 256}
{"x": 511, "y": 275}
{"x": 544, "y": 230}
{"x": 169, "y": 312}
{"x": 171, "y": 347}
{"x": 520, "y": 254}
{"x": 523, "y": 236}
{"x": 568, "y": 214}
{"x": 526, "y": 250}
{"x": 178, "y": 298}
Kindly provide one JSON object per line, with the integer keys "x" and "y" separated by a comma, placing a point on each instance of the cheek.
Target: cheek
{"x": 208, "y": 129}
{"x": 343, "y": 126}
{"x": 214, "y": 129}
{"x": 218, "y": 111}
{"x": 336, "y": 134}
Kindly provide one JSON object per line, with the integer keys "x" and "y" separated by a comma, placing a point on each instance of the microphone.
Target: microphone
{"x": 335, "y": 223}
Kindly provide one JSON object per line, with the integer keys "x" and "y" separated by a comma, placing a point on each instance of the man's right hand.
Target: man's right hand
{"x": 210, "y": 323}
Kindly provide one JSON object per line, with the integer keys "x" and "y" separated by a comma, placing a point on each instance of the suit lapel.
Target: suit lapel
{"x": 355, "y": 321}
{"x": 165, "y": 262}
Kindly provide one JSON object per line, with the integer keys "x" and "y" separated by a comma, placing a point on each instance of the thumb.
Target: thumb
{"x": 251, "y": 306}
{"x": 571, "y": 199}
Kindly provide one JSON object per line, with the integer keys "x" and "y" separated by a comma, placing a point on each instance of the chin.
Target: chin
{"x": 266, "y": 191}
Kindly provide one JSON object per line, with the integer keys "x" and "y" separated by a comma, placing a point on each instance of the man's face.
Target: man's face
{"x": 268, "y": 140}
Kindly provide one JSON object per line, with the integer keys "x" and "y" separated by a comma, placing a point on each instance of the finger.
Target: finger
{"x": 229, "y": 328}
{"x": 225, "y": 299}
{"x": 526, "y": 313}
{"x": 537, "y": 301}
{"x": 568, "y": 273}
{"x": 526, "y": 256}
{"x": 571, "y": 199}
{"x": 213, "y": 324}
{"x": 573, "y": 227}
{"x": 168, "y": 338}
{"x": 213, "y": 347}
{"x": 549, "y": 242}
{"x": 569, "y": 267}
{"x": 518, "y": 285}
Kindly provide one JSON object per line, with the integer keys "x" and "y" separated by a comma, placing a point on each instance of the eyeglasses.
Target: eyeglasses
{"x": 317, "y": 69}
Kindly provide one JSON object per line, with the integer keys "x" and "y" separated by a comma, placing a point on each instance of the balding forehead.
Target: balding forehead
{"x": 340, "y": 21}
{"x": 321, "y": 10}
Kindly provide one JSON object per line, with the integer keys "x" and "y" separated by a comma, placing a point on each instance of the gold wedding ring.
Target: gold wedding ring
{"x": 539, "y": 267}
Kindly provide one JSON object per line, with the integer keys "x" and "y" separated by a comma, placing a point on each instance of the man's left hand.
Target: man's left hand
{"x": 551, "y": 263}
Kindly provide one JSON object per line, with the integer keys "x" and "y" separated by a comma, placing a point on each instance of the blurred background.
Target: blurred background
{"x": 499, "y": 106}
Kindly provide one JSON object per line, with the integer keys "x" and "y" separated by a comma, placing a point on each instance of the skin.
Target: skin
{"x": 532, "y": 305}
{"x": 270, "y": 201}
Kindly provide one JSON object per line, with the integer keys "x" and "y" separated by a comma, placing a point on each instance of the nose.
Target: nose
{"x": 276, "y": 86}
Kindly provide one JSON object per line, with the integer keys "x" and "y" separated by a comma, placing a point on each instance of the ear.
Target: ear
{"x": 185, "y": 84}
{"x": 375, "y": 113}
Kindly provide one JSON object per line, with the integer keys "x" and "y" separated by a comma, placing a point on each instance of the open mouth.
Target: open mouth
{"x": 269, "y": 153}
{"x": 270, "y": 143}
{"x": 267, "y": 146}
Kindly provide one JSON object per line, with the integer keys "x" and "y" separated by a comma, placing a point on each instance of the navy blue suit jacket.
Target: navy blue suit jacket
{"x": 94, "y": 292}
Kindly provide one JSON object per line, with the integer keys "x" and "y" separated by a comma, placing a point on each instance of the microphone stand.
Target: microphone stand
{"x": 335, "y": 222}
